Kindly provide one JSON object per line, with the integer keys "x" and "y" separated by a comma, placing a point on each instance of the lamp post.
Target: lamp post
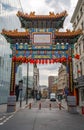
{"x": 20, "y": 90}
{"x": 27, "y": 83}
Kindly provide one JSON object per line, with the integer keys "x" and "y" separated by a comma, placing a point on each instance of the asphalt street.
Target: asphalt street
{"x": 44, "y": 119}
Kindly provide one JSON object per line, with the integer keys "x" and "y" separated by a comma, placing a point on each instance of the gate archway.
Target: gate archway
{"x": 42, "y": 42}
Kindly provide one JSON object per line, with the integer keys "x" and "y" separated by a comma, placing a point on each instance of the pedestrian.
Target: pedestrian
{"x": 17, "y": 92}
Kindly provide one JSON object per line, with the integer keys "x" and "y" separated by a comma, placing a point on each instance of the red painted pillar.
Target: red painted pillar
{"x": 11, "y": 105}
{"x": 12, "y": 82}
{"x": 71, "y": 90}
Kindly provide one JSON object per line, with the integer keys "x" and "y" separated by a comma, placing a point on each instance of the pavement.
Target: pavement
{"x": 3, "y": 107}
{"x": 65, "y": 106}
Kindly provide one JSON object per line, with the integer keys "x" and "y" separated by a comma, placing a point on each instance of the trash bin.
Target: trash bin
{"x": 82, "y": 109}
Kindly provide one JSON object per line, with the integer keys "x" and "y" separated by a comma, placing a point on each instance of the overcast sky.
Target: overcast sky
{"x": 44, "y": 7}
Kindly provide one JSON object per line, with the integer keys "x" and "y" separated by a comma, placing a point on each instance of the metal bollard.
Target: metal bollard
{"x": 29, "y": 105}
{"x": 60, "y": 106}
{"x": 39, "y": 106}
{"x": 50, "y": 106}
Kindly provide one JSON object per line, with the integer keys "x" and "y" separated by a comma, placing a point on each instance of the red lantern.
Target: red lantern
{"x": 14, "y": 58}
{"x": 50, "y": 61}
{"x": 59, "y": 60}
{"x": 69, "y": 58}
{"x": 36, "y": 61}
{"x": 39, "y": 61}
{"x": 77, "y": 56}
{"x": 33, "y": 61}
{"x": 63, "y": 59}
{"x": 22, "y": 59}
{"x": 17, "y": 59}
{"x": 79, "y": 71}
{"x": 30, "y": 61}
{"x": 42, "y": 61}
{"x": 26, "y": 61}
{"x": 56, "y": 60}
{"x": 46, "y": 61}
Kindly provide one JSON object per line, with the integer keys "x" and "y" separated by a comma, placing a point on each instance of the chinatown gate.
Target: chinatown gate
{"x": 41, "y": 43}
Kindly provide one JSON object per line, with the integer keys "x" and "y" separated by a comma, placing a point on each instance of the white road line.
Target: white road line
{"x": 6, "y": 119}
{"x": 2, "y": 118}
{"x": 1, "y": 123}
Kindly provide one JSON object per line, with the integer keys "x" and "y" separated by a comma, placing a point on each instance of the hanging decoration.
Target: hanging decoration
{"x": 45, "y": 61}
{"x": 79, "y": 71}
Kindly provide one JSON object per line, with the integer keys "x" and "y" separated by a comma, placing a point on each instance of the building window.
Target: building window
{"x": 81, "y": 12}
{"x": 77, "y": 18}
{"x": 76, "y": 50}
{"x": 81, "y": 68}
{"x": 82, "y": 25}
{"x": 82, "y": 95}
{"x": 74, "y": 25}
{"x": 77, "y": 71}
{"x": 80, "y": 49}
{"x": 83, "y": 45}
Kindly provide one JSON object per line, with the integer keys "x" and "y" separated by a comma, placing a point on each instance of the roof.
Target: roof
{"x": 15, "y": 33}
{"x": 32, "y": 21}
{"x": 68, "y": 33}
{"x": 50, "y": 16}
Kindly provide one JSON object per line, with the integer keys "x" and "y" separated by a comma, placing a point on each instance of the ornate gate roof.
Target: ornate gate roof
{"x": 42, "y": 21}
{"x": 68, "y": 36}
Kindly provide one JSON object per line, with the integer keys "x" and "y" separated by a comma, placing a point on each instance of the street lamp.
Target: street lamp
{"x": 20, "y": 90}
{"x": 27, "y": 83}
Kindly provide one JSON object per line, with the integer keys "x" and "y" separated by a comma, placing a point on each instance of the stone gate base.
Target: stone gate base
{"x": 11, "y": 105}
{"x": 72, "y": 109}
{"x": 71, "y": 102}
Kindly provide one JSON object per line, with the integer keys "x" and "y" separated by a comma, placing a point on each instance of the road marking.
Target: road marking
{"x": 6, "y": 120}
{"x": 2, "y": 118}
{"x": 1, "y": 123}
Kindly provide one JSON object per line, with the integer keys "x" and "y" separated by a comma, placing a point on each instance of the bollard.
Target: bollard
{"x": 60, "y": 106}
{"x": 29, "y": 105}
{"x": 39, "y": 106}
{"x": 50, "y": 106}
{"x": 82, "y": 110}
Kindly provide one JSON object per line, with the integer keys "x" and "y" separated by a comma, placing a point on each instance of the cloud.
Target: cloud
{"x": 9, "y": 7}
{"x": 39, "y": 6}
{"x": 58, "y": 6}
{"x": 49, "y": 66}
